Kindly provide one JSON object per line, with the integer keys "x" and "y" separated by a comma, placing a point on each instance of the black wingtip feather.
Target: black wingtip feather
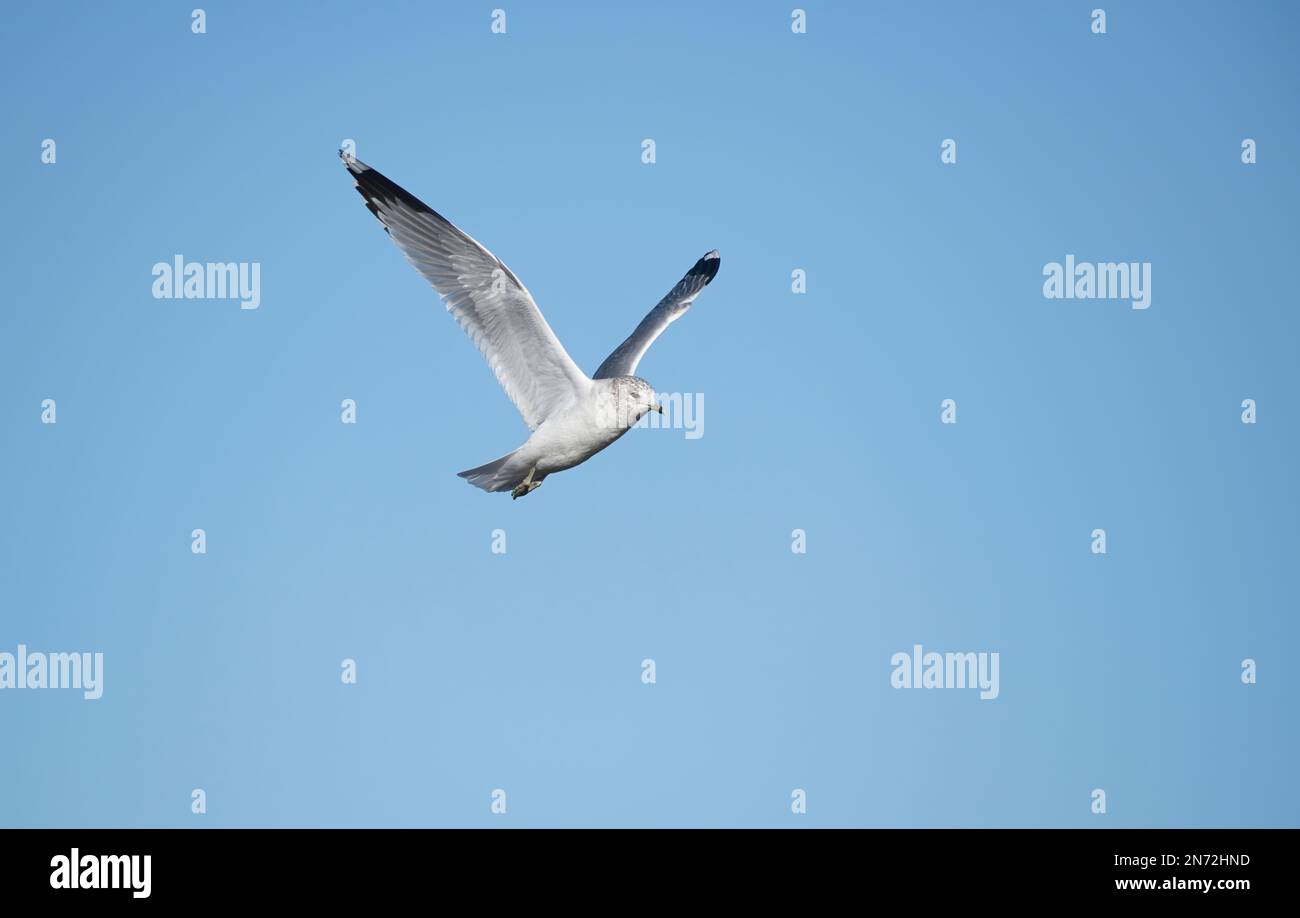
{"x": 377, "y": 189}
{"x": 707, "y": 267}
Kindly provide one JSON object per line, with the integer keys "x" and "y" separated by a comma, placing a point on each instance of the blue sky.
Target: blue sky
{"x": 522, "y": 671}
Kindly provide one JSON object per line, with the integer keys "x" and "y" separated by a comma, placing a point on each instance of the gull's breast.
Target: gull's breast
{"x": 573, "y": 435}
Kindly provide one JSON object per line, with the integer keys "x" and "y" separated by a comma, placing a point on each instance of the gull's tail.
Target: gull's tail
{"x": 497, "y": 475}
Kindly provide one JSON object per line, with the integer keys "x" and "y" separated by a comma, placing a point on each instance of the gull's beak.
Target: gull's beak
{"x": 659, "y": 408}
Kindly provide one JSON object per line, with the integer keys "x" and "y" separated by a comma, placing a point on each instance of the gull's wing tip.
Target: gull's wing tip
{"x": 626, "y": 356}
{"x": 355, "y": 166}
{"x": 707, "y": 267}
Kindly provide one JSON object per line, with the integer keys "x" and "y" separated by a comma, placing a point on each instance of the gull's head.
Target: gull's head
{"x": 634, "y": 398}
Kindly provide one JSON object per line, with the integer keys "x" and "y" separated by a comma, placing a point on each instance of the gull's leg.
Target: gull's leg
{"x": 526, "y": 486}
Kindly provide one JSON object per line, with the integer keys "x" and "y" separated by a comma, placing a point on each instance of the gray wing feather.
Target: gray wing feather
{"x": 485, "y": 297}
{"x": 628, "y": 354}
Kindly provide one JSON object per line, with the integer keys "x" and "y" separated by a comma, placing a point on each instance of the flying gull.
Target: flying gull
{"x": 571, "y": 417}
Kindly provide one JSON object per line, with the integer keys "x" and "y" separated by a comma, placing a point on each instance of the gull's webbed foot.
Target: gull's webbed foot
{"x": 527, "y": 486}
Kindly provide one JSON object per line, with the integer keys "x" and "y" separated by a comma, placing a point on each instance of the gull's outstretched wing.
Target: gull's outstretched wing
{"x": 628, "y": 354}
{"x": 483, "y": 294}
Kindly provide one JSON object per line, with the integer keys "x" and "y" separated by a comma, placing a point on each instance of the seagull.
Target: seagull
{"x": 571, "y": 417}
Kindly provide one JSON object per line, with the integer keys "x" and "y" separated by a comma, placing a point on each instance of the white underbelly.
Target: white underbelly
{"x": 568, "y": 438}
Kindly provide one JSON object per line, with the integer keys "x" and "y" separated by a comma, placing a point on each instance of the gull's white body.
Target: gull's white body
{"x": 569, "y": 436}
{"x": 572, "y": 417}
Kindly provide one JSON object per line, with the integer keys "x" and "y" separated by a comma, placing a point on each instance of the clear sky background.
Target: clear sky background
{"x": 522, "y": 671}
